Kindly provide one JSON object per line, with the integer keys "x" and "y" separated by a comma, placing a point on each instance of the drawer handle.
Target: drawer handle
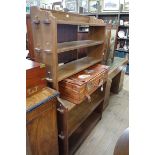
{"x": 38, "y": 50}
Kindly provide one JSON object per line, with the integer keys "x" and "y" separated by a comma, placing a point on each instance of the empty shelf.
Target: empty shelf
{"x": 67, "y": 46}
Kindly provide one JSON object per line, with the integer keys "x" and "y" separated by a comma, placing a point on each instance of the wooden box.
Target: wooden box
{"x": 41, "y": 123}
{"x": 80, "y": 86}
{"x": 35, "y": 77}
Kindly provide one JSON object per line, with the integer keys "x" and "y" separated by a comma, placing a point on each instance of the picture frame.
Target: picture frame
{"x": 126, "y": 5}
{"x": 95, "y": 6}
{"x": 71, "y": 5}
{"x": 92, "y": 6}
{"x": 84, "y": 4}
{"x": 111, "y": 5}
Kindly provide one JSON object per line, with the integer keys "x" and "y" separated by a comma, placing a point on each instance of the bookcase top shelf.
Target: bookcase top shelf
{"x": 79, "y": 23}
{"x": 70, "y": 18}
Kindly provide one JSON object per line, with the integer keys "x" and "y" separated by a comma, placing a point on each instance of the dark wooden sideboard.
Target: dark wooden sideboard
{"x": 41, "y": 123}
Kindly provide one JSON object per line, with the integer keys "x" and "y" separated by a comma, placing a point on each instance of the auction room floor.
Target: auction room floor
{"x": 115, "y": 120}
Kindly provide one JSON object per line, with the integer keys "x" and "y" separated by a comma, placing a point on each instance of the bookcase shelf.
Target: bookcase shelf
{"x": 74, "y": 122}
{"x": 76, "y": 66}
{"x": 82, "y": 132}
{"x": 72, "y": 45}
{"x": 78, "y": 23}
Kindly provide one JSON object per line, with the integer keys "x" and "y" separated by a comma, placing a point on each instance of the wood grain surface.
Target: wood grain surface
{"x": 41, "y": 123}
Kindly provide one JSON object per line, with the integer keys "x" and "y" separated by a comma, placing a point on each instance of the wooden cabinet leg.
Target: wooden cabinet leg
{"x": 117, "y": 82}
{"x": 107, "y": 93}
{"x": 62, "y": 115}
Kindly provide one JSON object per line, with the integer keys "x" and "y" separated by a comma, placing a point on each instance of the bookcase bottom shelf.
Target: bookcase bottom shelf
{"x": 83, "y": 131}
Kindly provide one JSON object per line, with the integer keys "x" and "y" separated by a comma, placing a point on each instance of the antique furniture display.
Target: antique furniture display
{"x": 55, "y": 33}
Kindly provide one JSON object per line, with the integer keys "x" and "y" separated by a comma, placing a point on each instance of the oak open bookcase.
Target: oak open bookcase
{"x": 54, "y": 34}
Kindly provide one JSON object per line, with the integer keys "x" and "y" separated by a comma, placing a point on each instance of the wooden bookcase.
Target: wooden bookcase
{"x": 55, "y": 34}
{"x": 113, "y": 19}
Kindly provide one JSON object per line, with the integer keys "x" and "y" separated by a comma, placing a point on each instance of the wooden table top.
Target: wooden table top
{"x": 40, "y": 98}
{"x": 117, "y": 62}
